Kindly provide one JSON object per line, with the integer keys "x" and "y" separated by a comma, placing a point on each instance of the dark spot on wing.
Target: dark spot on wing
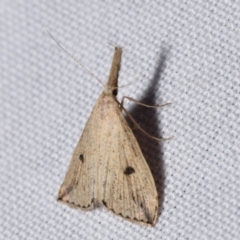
{"x": 115, "y": 92}
{"x": 104, "y": 203}
{"x": 81, "y": 158}
{"x": 129, "y": 170}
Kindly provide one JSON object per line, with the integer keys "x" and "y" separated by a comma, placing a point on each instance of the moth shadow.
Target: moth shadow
{"x": 149, "y": 121}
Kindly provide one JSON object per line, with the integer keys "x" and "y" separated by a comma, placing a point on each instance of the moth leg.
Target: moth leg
{"x": 136, "y": 125}
{"x": 142, "y": 104}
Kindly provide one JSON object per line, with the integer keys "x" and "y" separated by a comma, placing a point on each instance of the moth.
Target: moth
{"x": 107, "y": 167}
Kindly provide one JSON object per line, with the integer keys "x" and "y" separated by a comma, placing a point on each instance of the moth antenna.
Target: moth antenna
{"x": 74, "y": 58}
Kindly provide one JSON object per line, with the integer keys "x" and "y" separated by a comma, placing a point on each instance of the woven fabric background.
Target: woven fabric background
{"x": 183, "y": 52}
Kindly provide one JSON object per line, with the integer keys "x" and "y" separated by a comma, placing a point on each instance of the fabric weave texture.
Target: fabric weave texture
{"x": 182, "y": 52}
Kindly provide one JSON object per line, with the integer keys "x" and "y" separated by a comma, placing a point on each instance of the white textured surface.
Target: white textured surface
{"x": 184, "y": 53}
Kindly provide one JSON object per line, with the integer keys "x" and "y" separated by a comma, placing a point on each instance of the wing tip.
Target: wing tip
{"x": 76, "y": 205}
{"x": 63, "y": 197}
{"x": 149, "y": 222}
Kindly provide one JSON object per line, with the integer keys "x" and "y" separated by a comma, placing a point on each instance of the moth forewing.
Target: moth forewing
{"x": 107, "y": 165}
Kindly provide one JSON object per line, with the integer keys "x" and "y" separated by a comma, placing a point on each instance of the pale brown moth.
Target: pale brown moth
{"x": 107, "y": 166}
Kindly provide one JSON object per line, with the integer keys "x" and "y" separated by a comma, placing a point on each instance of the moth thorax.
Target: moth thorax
{"x": 109, "y": 90}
